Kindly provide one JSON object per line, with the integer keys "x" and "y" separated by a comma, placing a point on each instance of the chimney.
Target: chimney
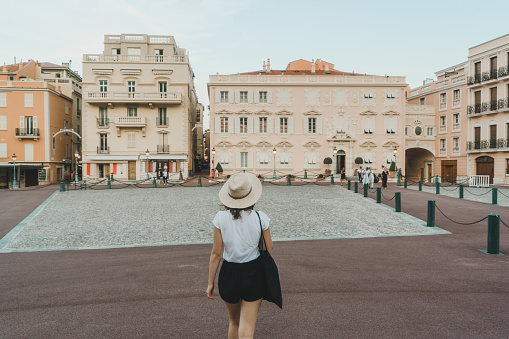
{"x": 20, "y": 66}
{"x": 268, "y": 66}
{"x": 313, "y": 67}
{"x": 65, "y": 64}
{"x": 4, "y": 68}
{"x": 327, "y": 68}
{"x": 264, "y": 67}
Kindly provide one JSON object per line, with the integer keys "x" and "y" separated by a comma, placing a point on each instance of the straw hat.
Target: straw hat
{"x": 240, "y": 191}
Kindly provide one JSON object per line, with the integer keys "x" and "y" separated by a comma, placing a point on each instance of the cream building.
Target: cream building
{"x": 139, "y": 104}
{"x": 305, "y": 113}
{"x": 488, "y": 118}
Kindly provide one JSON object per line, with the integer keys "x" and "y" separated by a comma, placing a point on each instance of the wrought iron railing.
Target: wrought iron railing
{"x": 494, "y": 105}
{"x": 503, "y": 71}
{"x": 163, "y": 148}
{"x": 491, "y": 144}
{"x": 161, "y": 121}
{"x": 27, "y": 132}
{"x": 103, "y": 149}
{"x": 474, "y": 79}
{"x": 103, "y": 121}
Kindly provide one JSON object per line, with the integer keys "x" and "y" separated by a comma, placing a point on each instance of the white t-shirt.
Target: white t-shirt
{"x": 241, "y": 236}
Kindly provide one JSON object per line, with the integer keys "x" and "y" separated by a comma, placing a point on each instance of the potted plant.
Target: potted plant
{"x": 327, "y": 161}
{"x": 359, "y": 161}
{"x": 260, "y": 177}
{"x": 392, "y": 169}
{"x": 228, "y": 177}
{"x": 320, "y": 177}
{"x": 219, "y": 171}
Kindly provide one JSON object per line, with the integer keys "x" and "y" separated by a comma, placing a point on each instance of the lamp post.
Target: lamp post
{"x": 398, "y": 183}
{"x": 14, "y": 179}
{"x": 147, "y": 153}
{"x": 213, "y": 158}
{"x": 274, "y": 152}
{"x": 77, "y": 157}
{"x": 335, "y": 151}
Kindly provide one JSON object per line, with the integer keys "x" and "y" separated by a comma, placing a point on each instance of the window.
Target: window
{"x": 506, "y": 166}
{"x": 3, "y": 99}
{"x": 103, "y": 116}
{"x": 133, "y": 54}
{"x": 477, "y": 137}
{"x": 391, "y": 96}
{"x": 103, "y": 88}
{"x": 132, "y": 111}
{"x": 224, "y": 125}
{"x": 283, "y": 158}
{"x": 243, "y": 97}
{"x": 3, "y": 150}
{"x": 159, "y": 55}
{"x": 443, "y": 123}
{"x": 243, "y": 159}
{"x": 368, "y": 95}
{"x": 115, "y": 51}
{"x": 163, "y": 86}
{"x": 456, "y": 121}
{"x": 312, "y": 125}
{"x": 131, "y": 140}
{"x": 430, "y": 131}
{"x": 457, "y": 98}
{"x": 263, "y": 124}
{"x": 442, "y": 147}
{"x": 243, "y": 125}
{"x": 423, "y": 101}
{"x": 162, "y": 118}
{"x": 224, "y": 96}
{"x": 104, "y": 143}
{"x": 131, "y": 87}
{"x": 406, "y": 130}
{"x": 3, "y": 122}
{"x": 263, "y": 97}
{"x": 368, "y": 125}
{"x": 11, "y": 78}
{"x": 455, "y": 145}
{"x": 443, "y": 100}
{"x": 66, "y": 108}
{"x": 78, "y": 109}
{"x": 493, "y": 98}
{"x": 29, "y": 100}
{"x": 283, "y": 125}
{"x": 493, "y": 136}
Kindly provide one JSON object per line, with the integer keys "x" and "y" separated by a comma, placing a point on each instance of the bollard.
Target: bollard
{"x": 398, "y": 201}
{"x": 111, "y": 177}
{"x": 109, "y": 184}
{"x": 349, "y": 185}
{"x": 154, "y": 183}
{"x": 406, "y": 183}
{"x": 461, "y": 191}
{"x": 494, "y": 196}
{"x": 180, "y": 176}
{"x": 191, "y": 173}
{"x": 366, "y": 191}
{"x": 62, "y": 186}
{"x": 493, "y": 233}
{"x": 437, "y": 187}
{"x": 332, "y": 180}
{"x": 431, "y": 213}
{"x": 199, "y": 181}
{"x": 379, "y": 195}
{"x": 305, "y": 174}
{"x": 420, "y": 185}
{"x": 356, "y": 187}
{"x": 288, "y": 181}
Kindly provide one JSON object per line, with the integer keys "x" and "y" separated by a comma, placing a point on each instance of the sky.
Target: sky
{"x": 398, "y": 38}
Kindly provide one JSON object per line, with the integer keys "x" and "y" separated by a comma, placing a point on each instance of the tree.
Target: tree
{"x": 219, "y": 167}
{"x": 392, "y": 168}
{"x": 327, "y": 161}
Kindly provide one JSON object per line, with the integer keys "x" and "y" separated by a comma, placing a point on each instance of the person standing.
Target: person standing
{"x": 237, "y": 232}
{"x": 165, "y": 177}
{"x": 359, "y": 172}
{"x": 343, "y": 175}
{"x": 384, "y": 176}
{"x": 371, "y": 177}
{"x": 365, "y": 176}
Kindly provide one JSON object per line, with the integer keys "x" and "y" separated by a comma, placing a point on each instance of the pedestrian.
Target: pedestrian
{"x": 165, "y": 177}
{"x": 359, "y": 172}
{"x": 384, "y": 176}
{"x": 237, "y": 232}
{"x": 365, "y": 176}
{"x": 371, "y": 177}
{"x": 343, "y": 175}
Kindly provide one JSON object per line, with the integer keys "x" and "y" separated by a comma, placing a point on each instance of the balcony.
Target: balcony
{"x": 134, "y": 97}
{"x": 503, "y": 71}
{"x": 163, "y": 148}
{"x": 103, "y": 150}
{"x": 169, "y": 59}
{"x": 162, "y": 121}
{"x": 474, "y": 79}
{"x": 78, "y": 112}
{"x": 443, "y": 151}
{"x": 103, "y": 122}
{"x": 27, "y": 133}
{"x": 488, "y": 145}
{"x": 130, "y": 122}
{"x": 494, "y": 106}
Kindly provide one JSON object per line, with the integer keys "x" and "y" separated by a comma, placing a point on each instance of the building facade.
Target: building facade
{"x": 288, "y": 121}
{"x": 32, "y": 112}
{"x": 139, "y": 108}
{"x": 488, "y": 108}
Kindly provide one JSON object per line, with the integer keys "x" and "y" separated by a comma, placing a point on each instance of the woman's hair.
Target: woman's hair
{"x": 237, "y": 211}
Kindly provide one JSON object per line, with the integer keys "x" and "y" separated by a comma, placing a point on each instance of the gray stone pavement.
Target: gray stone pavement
{"x": 479, "y": 194}
{"x": 183, "y": 215}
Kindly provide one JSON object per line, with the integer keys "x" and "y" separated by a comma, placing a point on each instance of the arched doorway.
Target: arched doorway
{"x": 419, "y": 164}
{"x": 485, "y": 165}
{"x": 340, "y": 161}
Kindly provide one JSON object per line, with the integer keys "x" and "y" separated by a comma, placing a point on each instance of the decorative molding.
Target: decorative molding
{"x": 368, "y": 144}
{"x": 312, "y": 112}
{"x": 284, "y": 144}
{"x": 244, "y": 144}
{"x": 340, "y": 97}
{"x": 262, "y": 112}
{"x": 312, "y": 144}
{"x": 284, "y": 112}
{"x": 264, "y": 144}
{"x": 312, "y": 97}
{"x": 390, "y": 112}
{"x": 103, "y": 71}
{"x": 224, "y": 143}
{"x": 130, "y": 71}
{"x": 284, "y": 97}
{"x": 162, "y": 71}
{"x": 244, "y": 112}
{"x": 368, "y": 112}
{"x": 223, "y": 111}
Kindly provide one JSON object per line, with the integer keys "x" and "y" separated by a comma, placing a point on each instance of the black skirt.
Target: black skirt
{"x": 241, "y": 281}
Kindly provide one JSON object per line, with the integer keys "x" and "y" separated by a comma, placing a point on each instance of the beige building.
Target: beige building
{"x": 488, "y": 108}
{"x": 139, "y": 104}
{"x": 305, "y": 113}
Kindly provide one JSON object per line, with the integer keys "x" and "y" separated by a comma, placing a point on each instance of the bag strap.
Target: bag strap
{"x": 262, "y": 238}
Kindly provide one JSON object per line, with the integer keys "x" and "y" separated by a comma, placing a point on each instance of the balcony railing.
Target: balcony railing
{"x": 172, "y": 97}
{"x": 474, "y": 79}
{"x": 443, "y": 151}
{"x": 163, "y": 148}
{"x": 130, "y": 121}
{"x": 103, "y": 149}
{"x": 161, "y": 121}
{"x": 456, "y": 103}
{"x": 103, "y": 122}
{"x": 456, "y": 126}
{"x": 456, "y": 150}
{"x": 492, "y": 106}
{"x": 483, "y": 145}
{"x": 443, "y": 128}
{"x": 443, "y": 105}
{"x": 27, "y": 133}
{"x": 487, "y": 76}
{"x": 135, "y": 58}
{"x": 503, "y": 71}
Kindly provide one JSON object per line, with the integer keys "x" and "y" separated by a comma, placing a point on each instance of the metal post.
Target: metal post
{"x": 180, "y": 176}
{"x": 494, "y": 196}
{"x": 191, "y": 173}
{"x": 406, "y": 183}
{"x": 14, "y": 179}
{"x": 365, "y": 191}
{"x": 109, "y": 184}
{"x": 398, "y": 183}
{"x": 199, "y": 181}
{"x": 356, "y": 187}
{"x": 305, "y": 174}
{"x": 288, "y": 181}
{"x": 461, "y": 191}
{"x": 398, "y": 201}
{"x": 379, "y": 195}
{"x": 349, "y": 185}
{"x": 420, "y": 186}
{"x": 431, "y": 213}
{"x": 62, "y": 186}
{"x": 332, "y": 180}
{"x": 493, "y": 233}
{"x": 437, "y": 186}
{"x": 154, "y": 183}
{"x": 274, "y": 175}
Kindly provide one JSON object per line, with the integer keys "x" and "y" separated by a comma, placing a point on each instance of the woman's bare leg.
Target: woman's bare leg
{"x": 234, "y": 314}
{"x": 248, "y": 315}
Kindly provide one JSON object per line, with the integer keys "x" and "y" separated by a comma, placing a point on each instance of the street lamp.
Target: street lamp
{"x": 77, "y": 157}
{"x": 213, "y": 157}
{"x": 335, "y": 151}
{"x": 274, "y": 152}
{"x": 147, "y": 153}
{"x": 398, "y": 183}
{"x": 14, "y": 179}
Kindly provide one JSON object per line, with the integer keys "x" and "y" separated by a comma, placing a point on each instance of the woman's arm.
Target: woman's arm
{"x": 215, "y": 258}
{"x": 268, "y": 240}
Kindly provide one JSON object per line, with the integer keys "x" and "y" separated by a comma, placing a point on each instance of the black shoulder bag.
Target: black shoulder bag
{"x": 272, "y": 284}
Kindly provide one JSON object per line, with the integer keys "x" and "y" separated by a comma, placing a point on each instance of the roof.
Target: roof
{"x": 299, "y": 72}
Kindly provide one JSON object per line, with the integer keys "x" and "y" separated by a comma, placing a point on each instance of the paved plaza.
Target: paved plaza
{"x": 182, "y": 215}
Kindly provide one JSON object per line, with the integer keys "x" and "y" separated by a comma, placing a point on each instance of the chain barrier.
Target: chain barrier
{"x": 479, "y": 195}
{"x": 31, "y": 188}
{"x": 388, "y": 198}
{"x": 502, "y": 221}
{"x": 500, "y": 191}
{"x": 460, "y": 223}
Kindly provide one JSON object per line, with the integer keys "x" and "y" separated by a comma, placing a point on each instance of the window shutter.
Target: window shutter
{"x": 277, "y": 125}
{"x": 3, "y": 99}
{"x": 218, "y": 96}
{"x": 394, "y": 124}
{"x": 29, "y": 100}
{"x": 269, "y": 97}
{"x": 217, "y": 125}
{"x": 237, "y": 96}
{"x": 29, "y": 152}
{"x": 305, "y": 125}
{"x": 3, "y": 150}
{"x": 270, "y": 123}
{"x": 256, "y": 97}
{"x": 35, "y": 122}
{"x": 21, "y": 122}
{"x": 249, "y": 97}
{"x": 319, "y": 125}
{"x": 230, "y": 125}
{"x": 237, "y": 160}
{"x": 256, "y": 125}
{"x": 250, "y": 123}
{"x": 237, "y": 124}
{"x": 290, "y": 125}
{"x": 3, "y": 122}
{"x": 230, "y": 97}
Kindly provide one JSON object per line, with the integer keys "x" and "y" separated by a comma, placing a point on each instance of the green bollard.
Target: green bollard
{"x": 379, "y": 195}
{"x": 349, "y": 185}
{"x": 288, "y": 181}
{"x": 356, "y": 187}
{"x": 199, "y": 181}
{"x": 398, "y": 201}
{"x": 431, "y": 213}
{"x": 62, "y": 186}
{"x": 305, "y": 174}
{"x": 154, "y": 183}
{"x": 406, "y": 183}
{"x": 365, "y": 191}
{"x": 437, "y": 187}
{"x": 108, "y": 186}
{"x": 191, "y": 173}
{"x": 111, "y": 175}
{"x": 461, "y": 191}
{"x": 493, "y": 234}
{"x": 494, "y": 196}
{"x": 332, "y": 180}
{"x": 420, "y": 186}
{"x": 180, "y": 176}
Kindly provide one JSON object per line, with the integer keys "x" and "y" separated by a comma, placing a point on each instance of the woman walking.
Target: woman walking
{"x": 343, "y": 175}
{"x": 237, "y": 234}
